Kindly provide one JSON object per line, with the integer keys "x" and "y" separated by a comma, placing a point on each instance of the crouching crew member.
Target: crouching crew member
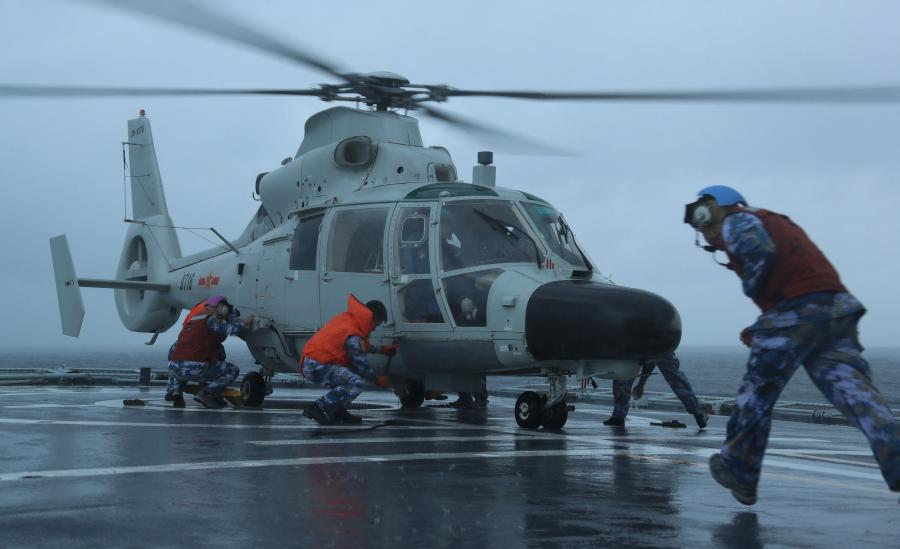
{"x": 669, "y": 367}
{"x": 336, "y": 356}
{"x": 198, "y": 354}
{"x": 808, "y": 318}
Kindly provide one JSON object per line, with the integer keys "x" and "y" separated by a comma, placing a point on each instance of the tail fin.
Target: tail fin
{"x": 147, "y": 196}
{"x": 151, "y": 242}
{"x": 71, "y": 307}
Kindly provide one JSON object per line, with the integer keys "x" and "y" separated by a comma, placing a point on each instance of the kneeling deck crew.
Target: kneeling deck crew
{"x": 198, "y": 354}
{"x": 336, "y": 356}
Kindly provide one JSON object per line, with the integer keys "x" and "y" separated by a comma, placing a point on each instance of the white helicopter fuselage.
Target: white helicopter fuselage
{"x": 477, "y": 279}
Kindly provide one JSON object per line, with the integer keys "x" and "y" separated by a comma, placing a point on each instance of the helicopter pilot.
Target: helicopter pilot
{"x": 336, "y": 356}
{"x": 198, "y": 354}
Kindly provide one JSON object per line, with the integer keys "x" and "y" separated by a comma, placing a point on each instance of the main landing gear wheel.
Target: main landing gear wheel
{"x": 529, "y": 410}
{"x": 555, "y": 416}
{"x": 411, "y": 393}
{"x": 253, "y": 389}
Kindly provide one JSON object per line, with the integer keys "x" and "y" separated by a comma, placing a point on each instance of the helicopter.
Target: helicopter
{"x": 478, "y": 279}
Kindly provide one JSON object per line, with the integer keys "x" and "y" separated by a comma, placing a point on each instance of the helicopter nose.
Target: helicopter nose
{"x": 585, "y": 320}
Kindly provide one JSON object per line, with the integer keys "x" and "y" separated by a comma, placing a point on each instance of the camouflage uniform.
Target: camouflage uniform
{"x": 676, "y": 379}
{"x": 817, "y": 330}
{"x": 217, "y": 375}
{"x": 346, "y": 384}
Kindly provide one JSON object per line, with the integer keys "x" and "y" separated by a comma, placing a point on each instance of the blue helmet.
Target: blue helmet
{"x": 724, "y": 196}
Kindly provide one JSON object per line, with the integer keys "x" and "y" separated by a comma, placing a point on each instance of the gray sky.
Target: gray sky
{"x": 834, "y": 169}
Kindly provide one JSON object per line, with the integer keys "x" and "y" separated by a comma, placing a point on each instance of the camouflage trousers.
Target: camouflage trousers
{"x": 674, "y": 377}
{"x": 345, "y": 384}
{"x": 830, "y": 352}
{"x": 217, "y": 375}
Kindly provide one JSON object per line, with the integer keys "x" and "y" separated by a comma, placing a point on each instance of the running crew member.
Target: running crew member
{"x": 808, "y": 318}
{"x": 336, "y": 356}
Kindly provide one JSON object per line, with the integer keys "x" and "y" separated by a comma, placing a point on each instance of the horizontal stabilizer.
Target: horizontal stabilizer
{"x": 121, "y": 284}
{"x": 71, "y": 308}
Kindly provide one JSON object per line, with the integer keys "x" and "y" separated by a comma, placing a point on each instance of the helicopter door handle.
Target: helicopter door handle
{"x": 326, "y": 277}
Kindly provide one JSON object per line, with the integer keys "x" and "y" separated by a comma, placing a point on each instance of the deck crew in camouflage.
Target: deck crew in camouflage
{"x": 671, "y": 371}
{"x": 198, "y": 354}
{"x": 336, "y": 356}
{"x": 808, "y": 318}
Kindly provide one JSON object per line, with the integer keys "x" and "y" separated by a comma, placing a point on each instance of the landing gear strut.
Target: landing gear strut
{"x": 549, "y": 411}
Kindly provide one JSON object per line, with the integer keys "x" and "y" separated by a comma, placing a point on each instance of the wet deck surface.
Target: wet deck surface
{"x": 77, "y": 468}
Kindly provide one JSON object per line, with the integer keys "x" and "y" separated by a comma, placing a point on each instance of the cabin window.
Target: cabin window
{"x": 305, "y": 243}
{"x": 556, "y": 232}
{"x": 484, "y": 232}
{"x": 418, "y": 303}
{"x": 467, "y": 296}
{"x": 412, "y": 241}
{"x": 356, "y": 244}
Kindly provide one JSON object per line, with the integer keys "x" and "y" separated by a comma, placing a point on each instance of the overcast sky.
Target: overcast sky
{"x": 834, "y": 169}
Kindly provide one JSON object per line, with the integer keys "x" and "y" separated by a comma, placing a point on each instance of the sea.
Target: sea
{"x": 712, "y": 370}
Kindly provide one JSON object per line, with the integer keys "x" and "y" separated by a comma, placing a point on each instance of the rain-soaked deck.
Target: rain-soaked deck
{"x": 77, "y": 468}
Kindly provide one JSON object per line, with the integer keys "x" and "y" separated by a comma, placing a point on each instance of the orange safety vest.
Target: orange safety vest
{"x": 196, "y": 342}
{"x": 198, "y": 309}
{"x": 327, "y": 345}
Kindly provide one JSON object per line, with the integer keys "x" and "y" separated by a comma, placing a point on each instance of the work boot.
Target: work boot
{"x": 345, "y": 417}
{"x": 316, "y": 413}
{"x": 614, "y": 421}
{"x": 702, "y": 419}
{"x": 177, "y": 399}
{"x": 210, "y": 400}
{"x": 744, "y": 493}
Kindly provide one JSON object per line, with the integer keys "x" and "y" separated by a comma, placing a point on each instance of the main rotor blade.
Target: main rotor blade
{"x": 89, "y": 91}
{"x": 500, "y": 139}
{"x": 194, "y": 16}
{"x": 871, "y": 94}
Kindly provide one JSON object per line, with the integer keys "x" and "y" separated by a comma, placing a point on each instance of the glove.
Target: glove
{"x": 746, "y": 337}
{"x": 389, "y": 350}
{"x": 383, "y": 381}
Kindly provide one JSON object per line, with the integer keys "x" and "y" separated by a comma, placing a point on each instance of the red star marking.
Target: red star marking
{"x": 208, "y": 281}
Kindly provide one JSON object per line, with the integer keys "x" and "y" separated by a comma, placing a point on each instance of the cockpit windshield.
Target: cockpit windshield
{"x": 484, "y": 233}
{"x": 556, "y": 232}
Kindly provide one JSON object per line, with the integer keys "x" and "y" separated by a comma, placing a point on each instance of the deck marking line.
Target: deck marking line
{"x": 208, "y": 465}
{"x": 386, "y": 440}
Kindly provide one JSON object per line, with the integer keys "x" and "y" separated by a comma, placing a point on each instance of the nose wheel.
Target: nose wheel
{"x": 253, "y": 389}
{"x": 550, "y": 411}
{"x": 529, "y": 410}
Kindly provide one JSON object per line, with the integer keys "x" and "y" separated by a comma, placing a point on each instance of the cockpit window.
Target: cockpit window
{"x": 484, "y": 233}
{"x": 412, "y": 241}
{"x": 556, "y": 232}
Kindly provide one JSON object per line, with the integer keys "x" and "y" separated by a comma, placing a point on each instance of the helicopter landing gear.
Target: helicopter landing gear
{"x": 529, "y": 409}
{"x": 254, "y": 388}
{"x": 411, "y": 393}
{"x": 550, "y": 411}
{"x": 555, "y": 416}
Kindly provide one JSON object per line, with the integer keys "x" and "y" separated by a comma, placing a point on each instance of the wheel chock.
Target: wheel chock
{"x": 133, "y": 402}
{"x": 233, "y": 396}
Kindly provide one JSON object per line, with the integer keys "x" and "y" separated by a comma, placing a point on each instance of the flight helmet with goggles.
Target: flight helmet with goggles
{"x": 699, "y": 216}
